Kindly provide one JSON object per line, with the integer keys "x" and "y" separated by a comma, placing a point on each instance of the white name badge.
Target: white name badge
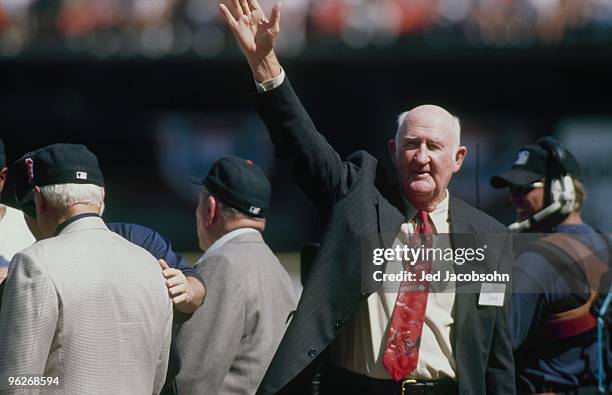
{"x": 492, "y": 294}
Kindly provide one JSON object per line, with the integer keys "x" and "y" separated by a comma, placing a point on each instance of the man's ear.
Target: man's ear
{"x": 102, "y": 206}
{"x": 392, "y": 150}
{"x": 39, "y": 201}
{"x": 459, "y": 158}
{"x": 212, "y": 211}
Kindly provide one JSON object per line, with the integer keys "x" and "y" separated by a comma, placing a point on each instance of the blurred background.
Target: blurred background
{"x": 159, "y": 91}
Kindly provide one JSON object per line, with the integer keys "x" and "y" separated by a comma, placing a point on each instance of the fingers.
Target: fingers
{"x": 234, "y": 8}
{"x": 246, "y": 10}
{"x": 238, "y": 9}
{"x": 229, "y": 18}
{"x": 178, "y": 289}
{"x": 254, "y": 5}
{"x": 163, "y": 264}
{"x": 177, "y": 284}
{"x": 275, "y": 18}
{"x": 256, "y": 8}
{"x": 170, "y": 272}
{"x": 182, "y": 298}
{"x": 175, "y": 278}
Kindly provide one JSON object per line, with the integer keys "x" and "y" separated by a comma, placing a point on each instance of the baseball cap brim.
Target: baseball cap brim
{"x": 196, "y": 180}
{"x": 514, "y": 177}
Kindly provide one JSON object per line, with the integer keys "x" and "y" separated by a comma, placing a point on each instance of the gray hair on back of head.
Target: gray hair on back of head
{"x": 63, "y": 196}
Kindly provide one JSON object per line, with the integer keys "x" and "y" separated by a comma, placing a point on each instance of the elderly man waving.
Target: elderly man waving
{"x": 371, "y": 341}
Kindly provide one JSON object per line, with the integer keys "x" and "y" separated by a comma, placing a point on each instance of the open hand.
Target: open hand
{"x": 255, "y": 34}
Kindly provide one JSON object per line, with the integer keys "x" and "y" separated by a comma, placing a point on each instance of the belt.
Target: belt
{"x": 415, "y": 387}
{"x": 570, "y": 391}
{"x": 337, "y": 380}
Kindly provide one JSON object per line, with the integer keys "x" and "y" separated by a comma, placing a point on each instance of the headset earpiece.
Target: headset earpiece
{"x": 559, "y": 185}
{"x": 569, "y": 195}
{"x": 562, "y": 191}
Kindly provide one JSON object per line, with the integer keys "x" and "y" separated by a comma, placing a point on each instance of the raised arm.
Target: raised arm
{"x": 316, "y": 166}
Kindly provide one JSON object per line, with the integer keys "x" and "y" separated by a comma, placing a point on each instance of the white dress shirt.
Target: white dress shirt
{"x": 360, "y": 347}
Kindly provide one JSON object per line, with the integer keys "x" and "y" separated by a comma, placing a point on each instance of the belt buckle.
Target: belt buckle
{"x": 407, "y": 382}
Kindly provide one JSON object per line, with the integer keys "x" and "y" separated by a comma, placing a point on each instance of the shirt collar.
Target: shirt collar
{"x": 439, "y": 216}
{"x": 225, "y": 238}
{"x": 70, "y": 220}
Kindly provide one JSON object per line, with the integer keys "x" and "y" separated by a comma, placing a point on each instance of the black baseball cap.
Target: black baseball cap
{"x": 66, "y": 164}
{"x": 240, "y": 184}
{"x": 2, "y": 155}
{"x": 530, "y": 166}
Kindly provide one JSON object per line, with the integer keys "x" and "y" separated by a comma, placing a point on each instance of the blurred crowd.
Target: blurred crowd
{"x": 157, "y": 28}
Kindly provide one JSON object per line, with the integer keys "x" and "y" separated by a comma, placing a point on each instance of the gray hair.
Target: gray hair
{"x": 63, "y": 196}
{"x": 401, "y": 118}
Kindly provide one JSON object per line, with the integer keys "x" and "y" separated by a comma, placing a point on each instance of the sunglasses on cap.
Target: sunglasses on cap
{"x": 524, "y": 189}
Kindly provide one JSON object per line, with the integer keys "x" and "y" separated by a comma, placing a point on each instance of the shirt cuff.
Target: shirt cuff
{"x": 271, "y": 84}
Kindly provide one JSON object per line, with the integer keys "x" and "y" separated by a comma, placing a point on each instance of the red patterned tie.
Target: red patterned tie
{"x": 404, "y": 338}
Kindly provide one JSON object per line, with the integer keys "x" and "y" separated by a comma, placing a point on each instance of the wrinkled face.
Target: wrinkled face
{"x": 527, "y": 202}
{"x": 425, "y": 154}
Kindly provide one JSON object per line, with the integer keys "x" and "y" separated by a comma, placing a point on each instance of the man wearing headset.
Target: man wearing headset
{"x": 559, "y": 268}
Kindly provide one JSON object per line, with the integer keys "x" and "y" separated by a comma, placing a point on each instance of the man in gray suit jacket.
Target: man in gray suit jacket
{"x": 228, "y": 343}
{"x": 83, "y": 304}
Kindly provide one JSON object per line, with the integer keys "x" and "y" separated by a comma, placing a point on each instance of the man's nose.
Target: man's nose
{"x": 422, "y": 154}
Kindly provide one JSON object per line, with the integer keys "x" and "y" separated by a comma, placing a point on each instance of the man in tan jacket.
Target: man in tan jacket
{"x": 83, "y": 307}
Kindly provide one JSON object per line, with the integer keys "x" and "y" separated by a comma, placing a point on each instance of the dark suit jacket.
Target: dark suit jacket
{"x": 362, "y": 210}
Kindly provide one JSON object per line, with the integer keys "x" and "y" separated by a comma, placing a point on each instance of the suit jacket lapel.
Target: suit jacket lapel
{"x": 391, "y": 212}
{"x": 388, "y": 222}
{"x": 390, "y": 218}
{"x": 391, "y": 209}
